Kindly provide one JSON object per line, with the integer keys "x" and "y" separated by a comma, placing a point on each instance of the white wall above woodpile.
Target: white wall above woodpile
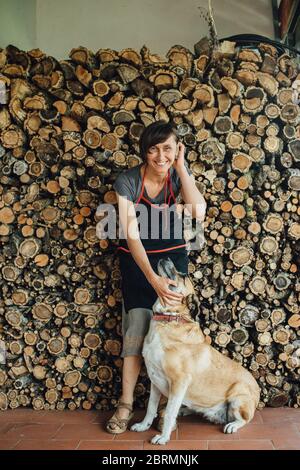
{"x": 60, "y": 25}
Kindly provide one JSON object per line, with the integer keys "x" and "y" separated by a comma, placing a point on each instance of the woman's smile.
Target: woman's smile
{"x": 159, "y": 168}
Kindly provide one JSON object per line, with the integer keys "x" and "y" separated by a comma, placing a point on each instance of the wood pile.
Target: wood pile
{"x": 67, "y": 128}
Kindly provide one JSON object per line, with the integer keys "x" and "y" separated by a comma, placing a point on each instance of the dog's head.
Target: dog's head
{"x": 190, "y": 304}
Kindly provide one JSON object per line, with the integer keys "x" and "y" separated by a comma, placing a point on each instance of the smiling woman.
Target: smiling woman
{"x": 150, "y": 188}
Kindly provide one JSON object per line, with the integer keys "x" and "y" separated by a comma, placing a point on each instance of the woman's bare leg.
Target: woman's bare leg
{"x": 130, "y": 373}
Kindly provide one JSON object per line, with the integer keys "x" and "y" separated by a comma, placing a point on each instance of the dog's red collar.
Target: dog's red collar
{"x": 168, "y": 318}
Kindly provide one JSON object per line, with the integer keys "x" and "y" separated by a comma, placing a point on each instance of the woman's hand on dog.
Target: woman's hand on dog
{"x": 166, "y": 296}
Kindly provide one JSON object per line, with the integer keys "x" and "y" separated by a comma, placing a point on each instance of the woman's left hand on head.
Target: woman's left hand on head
{"x": 179, "y": 161}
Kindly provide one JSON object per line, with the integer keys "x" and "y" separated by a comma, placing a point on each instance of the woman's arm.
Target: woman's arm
{"x": 191, "y": 195}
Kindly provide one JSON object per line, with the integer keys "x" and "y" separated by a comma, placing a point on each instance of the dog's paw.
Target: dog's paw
{"x": 159, "y": 439}
{"x": 230, "y": 428}
{"x": 139, "y": 427}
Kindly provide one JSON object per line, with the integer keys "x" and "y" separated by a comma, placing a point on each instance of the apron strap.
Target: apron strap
{"x": 166, "y": 184}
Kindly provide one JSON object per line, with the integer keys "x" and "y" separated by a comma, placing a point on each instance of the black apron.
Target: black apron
{"x": 136, "y": 290}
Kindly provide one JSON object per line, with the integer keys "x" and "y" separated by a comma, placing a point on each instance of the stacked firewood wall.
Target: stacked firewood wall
{"x": 67, "y": 128}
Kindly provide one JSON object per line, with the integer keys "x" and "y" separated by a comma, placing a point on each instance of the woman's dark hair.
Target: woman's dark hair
{"x": 156, "y": 133}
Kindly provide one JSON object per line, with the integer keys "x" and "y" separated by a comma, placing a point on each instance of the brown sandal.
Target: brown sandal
{"x": 116, "y": 425}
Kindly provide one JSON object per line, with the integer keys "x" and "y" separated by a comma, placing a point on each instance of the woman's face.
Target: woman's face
{"x": 160, "y": 157}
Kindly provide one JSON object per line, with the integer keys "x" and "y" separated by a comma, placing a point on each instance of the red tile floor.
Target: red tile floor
{"x": 271, "y": 428}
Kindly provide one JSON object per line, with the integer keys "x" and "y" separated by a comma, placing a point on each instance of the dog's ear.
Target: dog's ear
{"x": 193, "y": 305}
{"x": 170, "y": 269}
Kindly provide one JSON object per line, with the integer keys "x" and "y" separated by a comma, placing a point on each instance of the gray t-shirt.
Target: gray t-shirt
{"x": 129, "y": 183}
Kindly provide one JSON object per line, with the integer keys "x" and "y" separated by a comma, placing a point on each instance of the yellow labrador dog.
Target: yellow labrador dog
{"x": 185, "y": 368}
